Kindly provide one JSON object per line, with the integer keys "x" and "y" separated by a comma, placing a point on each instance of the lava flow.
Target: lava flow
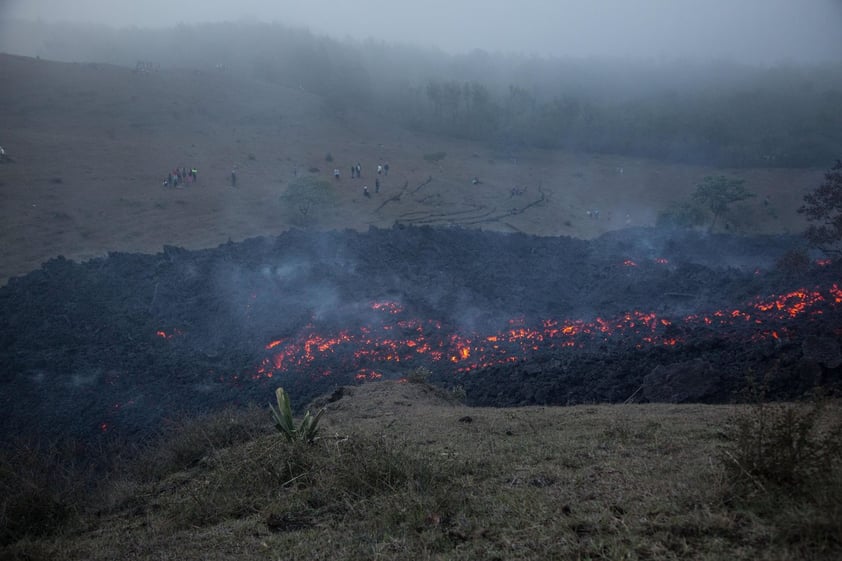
{"x": 398, "y": 341}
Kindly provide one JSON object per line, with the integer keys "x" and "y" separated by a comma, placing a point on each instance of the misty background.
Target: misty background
{"x": 754, "y": 83}
{"x": 747, "y": 31}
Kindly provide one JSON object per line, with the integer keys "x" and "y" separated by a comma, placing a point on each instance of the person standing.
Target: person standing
{"x": 234, "y": 176}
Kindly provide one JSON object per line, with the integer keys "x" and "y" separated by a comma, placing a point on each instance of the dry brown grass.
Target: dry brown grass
{"x": 401, "y": 472}
{"x": 82, "y": 187}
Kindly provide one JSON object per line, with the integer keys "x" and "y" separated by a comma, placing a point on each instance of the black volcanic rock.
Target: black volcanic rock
{"x": 116, "y": 344}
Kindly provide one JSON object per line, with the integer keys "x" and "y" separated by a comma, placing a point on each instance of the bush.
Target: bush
{"x": 186, "y": 442}
{"x": 684, "y": 215}
{"x": 783, "y": 462}
{"x": 419, "y": 375}
{"x": 42, "y": 488}
{"x": 793, "y": 262}
{"x": 303, "y": 196}
{"x": 785, "y": 447}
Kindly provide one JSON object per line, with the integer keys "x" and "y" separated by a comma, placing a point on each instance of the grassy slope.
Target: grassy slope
{"x": 401, "y": 474}
{"x": 92, "y": 144}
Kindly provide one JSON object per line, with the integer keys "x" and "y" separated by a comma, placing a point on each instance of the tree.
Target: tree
{"x": 824, "y": 206}
{"x": 716, "y": 193}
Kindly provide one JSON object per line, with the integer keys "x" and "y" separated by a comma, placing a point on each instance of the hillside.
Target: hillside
{"x": 92, "y": 143}
{"x": 404, "y": 472}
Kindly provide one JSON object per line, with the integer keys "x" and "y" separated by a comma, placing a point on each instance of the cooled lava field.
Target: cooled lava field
{"x": 118, "y": 344}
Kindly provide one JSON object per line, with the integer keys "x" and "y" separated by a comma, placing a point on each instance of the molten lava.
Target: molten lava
{"x": 396, "y": 340}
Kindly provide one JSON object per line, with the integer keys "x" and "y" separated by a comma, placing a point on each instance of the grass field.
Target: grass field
{"x": 402, "y": 471}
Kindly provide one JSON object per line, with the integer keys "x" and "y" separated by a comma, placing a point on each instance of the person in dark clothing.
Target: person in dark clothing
{"x": 234, "y": 177}
{"x": 377, "y": 185}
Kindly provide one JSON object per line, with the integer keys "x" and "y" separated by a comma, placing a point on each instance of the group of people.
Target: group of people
{"x": 356, "y": 173}
{"x": 357, "y": 170}
{"x": 179, "y": 177}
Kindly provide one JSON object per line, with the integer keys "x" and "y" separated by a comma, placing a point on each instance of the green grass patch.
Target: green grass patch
{"x": 434, "y": 157}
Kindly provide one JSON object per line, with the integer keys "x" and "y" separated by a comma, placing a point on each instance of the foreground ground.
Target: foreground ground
{"x": 403, "y": 472}
{"x": 91, "y": 145}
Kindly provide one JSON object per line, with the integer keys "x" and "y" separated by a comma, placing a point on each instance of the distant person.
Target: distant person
{"x": 379, "y": 169}
{"x": 377, "y": 185}
{"x": 386, "y": 168}
{"x": 365, "y": 191}
{"x": 234, "y": 177}
{"x": 353, "y": 171}
{"x": 195, "y": 173}
{"x": 336, "y": 173}
{"x": 359, "y": 170}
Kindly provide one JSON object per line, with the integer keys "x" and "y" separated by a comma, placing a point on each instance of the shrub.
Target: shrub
{"x": 784, "y": 464}
{"x": 784, "y": 447}
{"x": 684, "y": 215}
{"x": 303, "y": 196}
{"x": 184, "y": 443}
{"x": 42, "y": 488}
{"x": 418, "y": 375}
{"x": 793, "y": 262}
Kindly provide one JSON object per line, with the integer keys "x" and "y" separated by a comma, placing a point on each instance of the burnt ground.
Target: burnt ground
{"x": 118, "y": 344}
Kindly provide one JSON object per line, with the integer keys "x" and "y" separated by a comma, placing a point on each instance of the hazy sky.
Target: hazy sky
{"x": 764, "y": 31}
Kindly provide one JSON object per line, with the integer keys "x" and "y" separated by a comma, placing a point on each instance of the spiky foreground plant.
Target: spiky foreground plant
{"x": 306, "y": 431}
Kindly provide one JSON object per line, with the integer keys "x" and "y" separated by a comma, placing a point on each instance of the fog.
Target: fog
{"x": 748, "y": 31}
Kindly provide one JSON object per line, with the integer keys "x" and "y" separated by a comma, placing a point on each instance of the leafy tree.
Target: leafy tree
{"x": 717, "y": 193}
{"x": 824, "y": 206}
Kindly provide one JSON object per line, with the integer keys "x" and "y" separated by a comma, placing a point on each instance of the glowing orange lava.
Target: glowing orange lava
{"x": 400, "y": 340}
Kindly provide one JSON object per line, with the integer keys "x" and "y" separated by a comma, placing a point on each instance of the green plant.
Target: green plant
{"x": 307, "y": 431}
